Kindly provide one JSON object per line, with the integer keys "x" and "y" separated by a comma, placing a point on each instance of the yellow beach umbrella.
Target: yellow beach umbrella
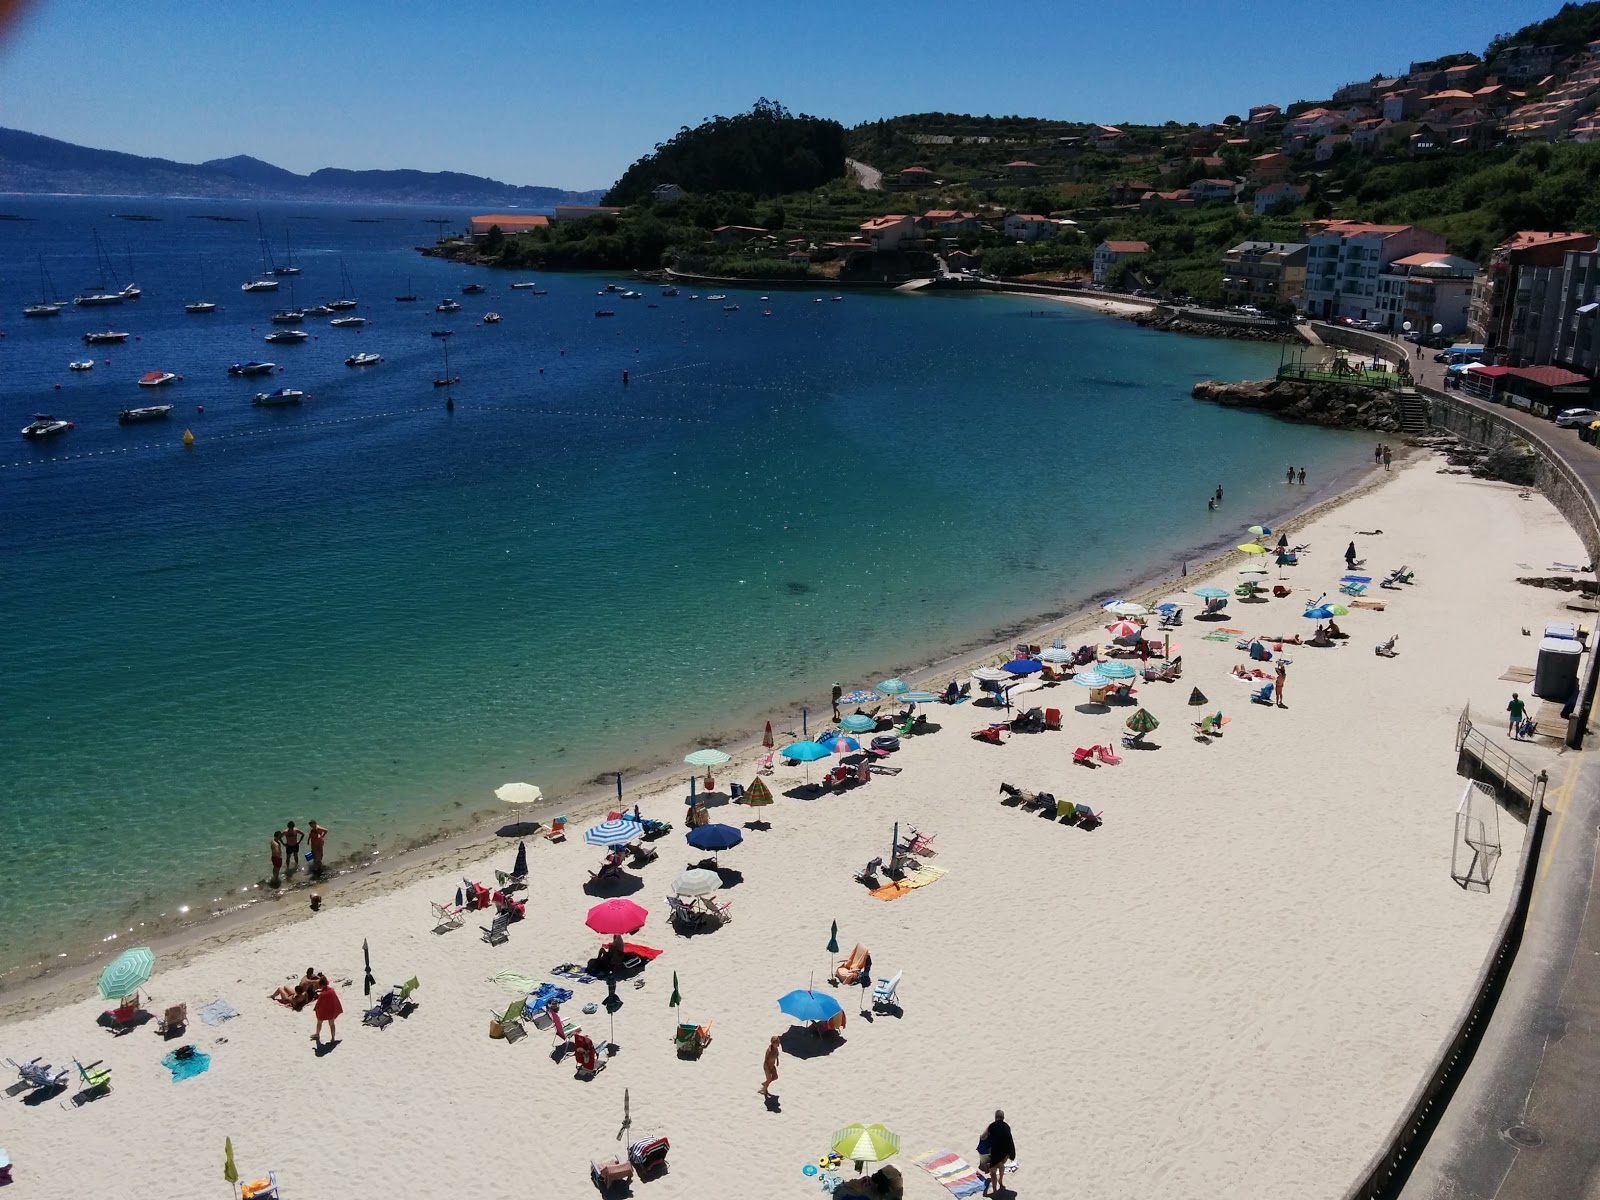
{"x": 865, "y": 1143}
{"x": 1252, "y": 548}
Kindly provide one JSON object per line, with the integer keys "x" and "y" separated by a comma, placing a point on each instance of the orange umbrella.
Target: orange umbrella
{"x": 766, "y": 738}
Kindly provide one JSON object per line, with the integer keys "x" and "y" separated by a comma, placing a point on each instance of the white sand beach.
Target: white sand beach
{"x": 1230, "y": 988}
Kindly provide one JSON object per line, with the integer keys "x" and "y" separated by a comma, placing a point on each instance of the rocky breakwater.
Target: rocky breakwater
{"x": 1169, "y": 321}
{"x": 1337, "y": 405}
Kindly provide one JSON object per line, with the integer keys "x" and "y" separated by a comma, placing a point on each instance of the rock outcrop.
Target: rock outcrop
{"x": 1337, "y": 405}
{"x": 1166, "y": 320}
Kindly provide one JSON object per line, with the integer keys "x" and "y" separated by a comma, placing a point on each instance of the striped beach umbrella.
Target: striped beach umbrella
{"x": 756, "y": 795}
{"x": 1124, "y": 629}
{"x": 706, "y": 758}
{"x": 613, "y": 832}
{"x": 1143, "y": 722}
{"x": 1210, "y": 593}
{"x": 893, "y": 687}
{"x": 126, "y": 973}
{"x": 858, "y": 723}
{"x": 916, "y": 698}
{"x": 1090, "y": 679}
{"x": 1115, "y": 670}
{"x": 697, "y": 881}
{"x": 865, "y": 1143}
{"x": 1197, "y": 698}
{"x": 1057, "y": 654}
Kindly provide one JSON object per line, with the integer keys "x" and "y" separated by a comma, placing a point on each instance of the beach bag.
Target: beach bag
{"x": 983, "y": 1154}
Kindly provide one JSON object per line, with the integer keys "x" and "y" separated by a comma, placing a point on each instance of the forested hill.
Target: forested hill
{"x": 1573, "y": 26}
{"x": 764, "y": 152}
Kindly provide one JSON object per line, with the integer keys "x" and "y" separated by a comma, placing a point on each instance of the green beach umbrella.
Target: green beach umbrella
{"x": 1143, "y": 722}
{"x": 865, "y": 1143}
{"x": 229, "y": 1171}
{"x": 833, "y": 938}
{"x": 126, "y": 973}
{"x": 706, "y": 758}
{"x": 676, "y": 999}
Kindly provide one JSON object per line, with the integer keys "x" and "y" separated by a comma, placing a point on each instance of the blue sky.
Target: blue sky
{"x": 568, "y": 94}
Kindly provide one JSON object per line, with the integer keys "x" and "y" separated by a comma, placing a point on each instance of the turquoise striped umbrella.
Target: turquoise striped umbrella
{"x": 1116, "y": 670}
{"x": 127, "y": 973}
{"x": 893, "y": 687}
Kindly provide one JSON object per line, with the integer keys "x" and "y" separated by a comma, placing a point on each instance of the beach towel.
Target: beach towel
{"x": 915, "y": 877}
{"x": 1219, "y": 636}
{"x": 516, "y": 981}
{"x": 644, "y": 952}
{"x": 217, "y": 1012}
{"x": 953, "y": 1173}
{"x": 1225, "y": 630}
{"x": 186, "y": 1068}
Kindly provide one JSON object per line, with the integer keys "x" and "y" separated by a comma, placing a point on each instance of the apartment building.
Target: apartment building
{"x": 1345, "y": 258}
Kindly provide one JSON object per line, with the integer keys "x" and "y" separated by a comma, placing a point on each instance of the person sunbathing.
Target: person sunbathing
{"x": 304, "y": 992}
{"x": 1320, "y": 638}
{"x": 1335, "y": 632}
{"x": 1285, "y": 641}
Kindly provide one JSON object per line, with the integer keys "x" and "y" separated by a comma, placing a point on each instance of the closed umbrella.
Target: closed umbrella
{"x": 806, "y": 1005}
{"x": 613, "y": 832}
{"x": 1283, "y": 541}
{"x": 1022, "y": 666}
{"x": 858, "y": 723}
{"x": 766, "y": 738}
{"x": 1124, "y": 629}
{"x": 833, "y": 938}
{"x": 617, "y": 915}
{"x": 1090, "y": 679}
{"x": 865, "y": 1143}
{"x": 126, "y": 973}
{"x": 697, "y": 881}
{"x": 519, "y": 869}
{"x": 1143, "y": 721}
{"x": 893, "y": 687}
{"x": 675, "y": 999}
{"x": 706, "y": 758}
{"x": 366, "y": 959}
{"x": 519, "y": 793}
{"x": 230, "y": 1173}
{"x": 1115, "y": 670}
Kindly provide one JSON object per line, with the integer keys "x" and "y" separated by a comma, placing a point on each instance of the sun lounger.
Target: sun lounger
{"x": 496, "y": 931}
{"x": 37, "y": 1073}
{"x": 1353, "y": 589}
{"x": 692, "y": 1039}
{"x": 1262, "y": 695}
{"x": 1083, "y": 756}
{"x": 260, "y": 1189}
{"x": 990, "y": 734}
{"x": 93, "y": 1080}
{"x": 849, "y": 970}
{"x": 720, "y": 913}
{"x": 610, "y": 871}
{"x": 174, "y": 1020}
{"x": 1107, "y": 755}
{"x": 886, "y": 992}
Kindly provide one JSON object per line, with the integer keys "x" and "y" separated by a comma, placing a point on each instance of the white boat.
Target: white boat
{"x": 472, "y": 289}
{"x": 152, "y": 412}
{"x": 252, "y": 368}
{"x": 523, "y": 287}
{"x": 97, "y": 339}
{"x": 200, "y": 306}
{"x": 154, "y": 379}
{"x": 362, "y": 360}
{"x": 46, "y": 306}
{"x": 447, "y": 306}
{"x": 99, "y": 296}
{"x": 836, "y": 299}
{"x": 259, "y": 285}
{"x": 345, "y": 301}
{"x": 717, "y": 297}
{"x": 288, "y": 316}
{"x": 42, "y": 309}
{"x": 42, "y": 426}
{"x": 81, "y": 364}
{"x": 288, "y": 267}
{"x": 287, "y": 337}
{"x": 318, "y": 310}
{"x": 347, "y": 322}
{"x": 491, "y": 318}
{"x": 284, "y": 395}
{"x": 631, "y": 295}
{"x": 730, "y": 308}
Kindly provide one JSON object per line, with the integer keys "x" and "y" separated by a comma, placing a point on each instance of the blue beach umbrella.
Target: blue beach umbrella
{"x": 1091, "y": 679}
{"x": 126, "y": 973}
{"x": 1211, "y": 593}
{"x": 806, "y": 1005}
{"x": 713, "y": 837}
{"x": 1116, "y": 670}
{"x": 1021, "y": 666}
{"x": 805, "y": 751}
{"x": 893, "y": 687}
{"x": 613, "y": 833}
{"x": 858, "y": 723}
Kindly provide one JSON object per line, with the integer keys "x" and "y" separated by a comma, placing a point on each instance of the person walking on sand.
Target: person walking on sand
{"x": 1277, "y": 685}
{"x": 1377, "y": 454}
{"x": 769, "y": 1066}
{"x": 1001, "y": 1150}
{"x": 865, "y": 980}
{"x": 1515, "y": 710}
{"x": 315, "y": 837}
{"x": 837, "y": 692}
{"x": 1350, "y": 557}
{"x": 328, "y": 1009}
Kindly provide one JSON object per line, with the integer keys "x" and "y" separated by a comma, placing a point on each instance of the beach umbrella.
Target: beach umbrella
{"x": 840, "y": 744}
{"x": 1022, "y": 666}
{"x": 1123, "y": 629}
{"x": 1322, "y": 612}
{"x": 833, "y": 938}
{"x": 613, "y": 832}
{"x": 858, "y": 723}
{"x": 366, "y": 959}
{"x": 1251, "y": 548}
{"x": 697, "y": 881}
{"x": 1211, "y": 593}
{"x": 756, "y": 795}
{"x": 1115, "y": 670}
{"x": 1090, "y": 679}
{"x": 1110, "y": 604}
{"x": 706, "y": 758}
{"x": 1197, "y": 698}
{"x": 1143, "y": 721}
{"x": 919, "y": 698}
{"x": 126, "y": 973}
{"x": 519, "y": 793}
{"x": 893, "y": 687}
{"x": 865, "y": 1143}
{"x": 519, "y": 869}
{"x": 806, "y": 1005}
{"x": 230, "y": 1173}
{"x": 805, "y": 751}
{"x": 617, "y": 915}
{"x": 766, "y": 738}
{"x": 1057, "y": 654}
{"x": 1283, "y": 541}
{"x": 859, "y": 696}
{"x": 675, "y": 999}
{"x": 1258, "y": 530}
{"x": 713, "y": 837}
{"x": 991, "y": 674}
{"x": 1355, "y": 579}
{"x": 1127, "y": 608}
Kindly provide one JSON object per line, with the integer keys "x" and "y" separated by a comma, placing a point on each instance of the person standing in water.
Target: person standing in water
{"x": 1302, "y": 474}
{"x": 290, "y": 837}
{"x": 315, "y": 837}
{"x": 1219, "y": 493}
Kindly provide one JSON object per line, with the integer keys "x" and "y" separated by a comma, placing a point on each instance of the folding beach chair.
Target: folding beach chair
{"x": 37, "y": 1073}
{"x": 683, "y": 914}
{"x": 764, "y": 767}
{"x": 691, "y": 1040}
{"x": 1262, "y": 695}
{"x": 608, "y": 1173}
{"x": 447, "y": 916}
{"x": 869, "y": 873}
{"x": 720, "y": 913}
{"x": 260, "y": 1189}
{"x": 122, "y": 1018}
{"x": 1052, "y": 718}
{"x": 1353, "y": 589}
{"x": 93, "y": 1081}
{"x": 649, "y": 1155}
{"x": 1083, "y": 756}
{"x": 557, "y": 831}
{"x": 509, "y": 1023}
{"x": 561, "y": 1032}
{"x": 886, "y": 992}
{"x": 918, "y": 842}
{"x": 1087, "y": 817}
{"x": 174, "y": 1020}
{"x": 496, "y": 931}
{"x": 585, "y": 1057}
{"x": 990, "y": 735}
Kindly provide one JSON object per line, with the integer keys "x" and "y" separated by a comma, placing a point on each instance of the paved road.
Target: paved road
{"x": 869, "y": 178}
{"x": 1525, "y": 1122}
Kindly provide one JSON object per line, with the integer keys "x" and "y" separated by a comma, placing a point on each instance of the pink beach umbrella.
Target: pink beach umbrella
{"x": 617, "y": 915}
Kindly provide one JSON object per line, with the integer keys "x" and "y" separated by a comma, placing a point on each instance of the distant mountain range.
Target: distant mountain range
{"x": 34, "y": 164}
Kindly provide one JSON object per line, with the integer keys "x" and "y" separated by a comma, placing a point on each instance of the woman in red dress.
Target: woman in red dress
{"x": 328, "y": 1009}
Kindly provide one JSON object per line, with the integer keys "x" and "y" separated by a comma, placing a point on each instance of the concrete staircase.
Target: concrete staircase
{"x": 1412, "y": 411}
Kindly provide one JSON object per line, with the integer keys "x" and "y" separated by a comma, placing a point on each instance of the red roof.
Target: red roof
{"x": 916, "y": 171}
{"x": 1128, "y": 247}
{"x": 1023, "y": 163}
{"x": 1029, "y": 217}
{"x": 888, "y": 222}
{"x": 1548, "y": 376}
{"x": 1527, "y": 238}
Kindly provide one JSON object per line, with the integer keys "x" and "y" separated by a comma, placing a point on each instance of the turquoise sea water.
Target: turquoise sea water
{"x": 370, "y": 611}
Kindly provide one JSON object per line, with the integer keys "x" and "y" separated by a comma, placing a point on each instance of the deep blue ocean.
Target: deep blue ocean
{"x": 372, "y": 611}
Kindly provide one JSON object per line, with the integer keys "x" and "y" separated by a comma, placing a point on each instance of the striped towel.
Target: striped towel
{"x": 953, "y": 1172}
{"x": 924, "y": 875}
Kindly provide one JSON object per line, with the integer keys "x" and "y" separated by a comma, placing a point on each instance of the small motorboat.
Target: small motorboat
{"x": 200, "y": 306}
{"x": 730, "y": 308}
{"x": 540, "y": 292}
{"x": 98, "y": 299}
{"x": 614, "y": 287}
{"x": 348, "y": 322}
{"x": 42, "y": 309}
{"x": 362, "y": 360}
{"x": 318, "y": 310}
{"x": 287, "y": 337}
{"x": 491, "y": 318}
{"x": 447, "y": 306}
{"x": 446, "y": 380}
{"x": 472, "y": 289}
{"x": 836, "y": 299}
{"x": 284, "y": 395}
{"x": 82, "y": 364}
{"x": 669, "y": 291}
{"x": 43, "y": 426}
{"x": 151, "y": 412}
{"x": 604, "y": 312}
{"x": 632, "y": 295}
{"x": 764, "y": 299}
{"x": 522, "y": 287}
{"x": 718, "y": 297}
{"x": 157, "y": 379}
{"x": 252, "y": 368}
{"x": 444, "y": 333}
{"x": 259, "y": 285}
{"x": 288, "y": 316}
{"x": 99, "y": 339}
{"x": 341, "y": 305}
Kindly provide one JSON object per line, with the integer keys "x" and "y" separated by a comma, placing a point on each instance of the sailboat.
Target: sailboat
{"x": 288, "y": 267}
{"x": 130, "y": 290}
{"x": 99, "y": 295}
{"x": 201, "y": 306}
{"x": 446, "y": 379}
{"x": 291, "y": 315}
{"x": 345, "y": 301}
{"x": 47, "y": 306}
{"x": 409, "y": 297}
{"x": 262, "y": 282}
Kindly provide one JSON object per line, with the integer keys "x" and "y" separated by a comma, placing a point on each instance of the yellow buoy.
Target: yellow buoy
{"x": 188, "y": 438}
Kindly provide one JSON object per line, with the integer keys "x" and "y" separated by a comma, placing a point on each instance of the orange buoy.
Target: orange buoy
{"x": 188, "y": 438}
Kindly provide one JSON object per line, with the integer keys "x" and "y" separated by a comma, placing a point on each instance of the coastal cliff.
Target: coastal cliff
{"x": 1336, "y": 405}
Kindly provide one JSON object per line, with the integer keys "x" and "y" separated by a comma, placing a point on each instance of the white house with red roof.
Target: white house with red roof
{"x": 1108, "y": 254}
{"x": 890, "y": 232}
{"x": 1029, "y": 227}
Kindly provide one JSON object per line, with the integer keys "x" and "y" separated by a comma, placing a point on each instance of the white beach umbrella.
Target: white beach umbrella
{"x": 1057, "y": 654}
{"x": 1127, "y": 608}
{"x": 992, "y": 675}
{"x": 519, "y": 793}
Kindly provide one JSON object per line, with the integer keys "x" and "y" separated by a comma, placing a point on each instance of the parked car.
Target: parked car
{"x": 1570, "y": 418}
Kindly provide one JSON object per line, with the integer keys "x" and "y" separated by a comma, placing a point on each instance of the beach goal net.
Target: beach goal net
{"x": 1476, "y": 850}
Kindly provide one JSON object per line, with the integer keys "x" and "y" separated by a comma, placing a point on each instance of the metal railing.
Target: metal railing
{"x": 1498, "y": 763}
